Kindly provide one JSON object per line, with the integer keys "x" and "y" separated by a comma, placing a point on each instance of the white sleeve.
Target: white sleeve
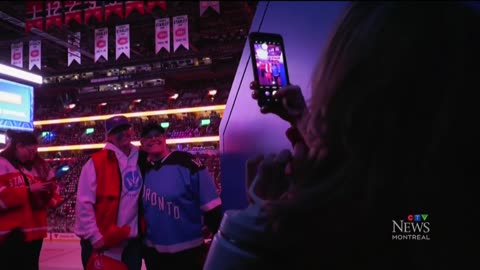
{"x": 85, "y": 220}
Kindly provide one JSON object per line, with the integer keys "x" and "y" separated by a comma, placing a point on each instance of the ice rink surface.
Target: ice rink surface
{"x": 61, "y": 255}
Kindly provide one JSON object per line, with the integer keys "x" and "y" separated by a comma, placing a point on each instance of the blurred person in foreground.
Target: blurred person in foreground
{"x": 179, "y": 197}
{"x": 27, "y": 188}
{"x": 107, "y": 199}
{"x": 386, "y": 140}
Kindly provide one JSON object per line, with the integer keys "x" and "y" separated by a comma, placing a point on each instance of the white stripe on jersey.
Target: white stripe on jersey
{"x": 176, "y": 247}
{"x": 212, "y": 204}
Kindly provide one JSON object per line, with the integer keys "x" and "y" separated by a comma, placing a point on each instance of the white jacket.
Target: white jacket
{"x": 85, "y": 221}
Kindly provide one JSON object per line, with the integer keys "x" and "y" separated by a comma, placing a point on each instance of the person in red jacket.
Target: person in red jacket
{"x": 108, "y": 192}
{"x": 27, "y": 188}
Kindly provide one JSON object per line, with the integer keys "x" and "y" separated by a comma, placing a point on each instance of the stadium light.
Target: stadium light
{"x": 135, "y": 114}
{"x": 137, "y": 143}
{"x": 20, "y": 74}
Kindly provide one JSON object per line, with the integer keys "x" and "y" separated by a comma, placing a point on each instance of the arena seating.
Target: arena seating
{"x": 75, "y": 133}
{"x": 55, "y": 109}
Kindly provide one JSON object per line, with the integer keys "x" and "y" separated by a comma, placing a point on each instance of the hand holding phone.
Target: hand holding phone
{"x": 291, "y": 105}
{"x": 269, "y": 66}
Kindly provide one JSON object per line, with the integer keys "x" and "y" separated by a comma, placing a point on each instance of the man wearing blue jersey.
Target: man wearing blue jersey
{"x": 179, "y": 197}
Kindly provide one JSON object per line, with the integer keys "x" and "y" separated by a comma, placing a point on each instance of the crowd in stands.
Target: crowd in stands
{"x": 186, "y": 126}
{"x": 62, "y": 219}
{"x": 56, "y": 109}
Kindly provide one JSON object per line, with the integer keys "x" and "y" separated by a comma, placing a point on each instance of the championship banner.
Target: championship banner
{"x": 73, "y": 53}
{"x": 54, "y": 14}
{"x": 101, "y": 43}
{"x": 73, "y": 11}
{"x": 134, "y": 5}
{"x": 113, "y": 7}
{"x": 122, "y": 40}
{"x": 93, "y": 9}
{"x": 17, "y": 54}
{"x": 180, "y": 32}
{"x": 34, "y": 15}
{"x": 35, "y": 54}
{"x": 152, "y": 4}
{"x": 162, "y": 34}
{"x": 204, "y": 5}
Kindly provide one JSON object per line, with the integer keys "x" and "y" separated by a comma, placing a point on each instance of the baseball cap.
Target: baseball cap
{"x": 116, "y": 122}
{"x": 151, "y": 127}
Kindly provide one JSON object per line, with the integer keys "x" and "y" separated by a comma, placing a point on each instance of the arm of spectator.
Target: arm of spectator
{"x": 210, "y": 202}
{"x": 56, "y": 199}
{"x": 85, "y": 220}
{"x": 12, "y": 197}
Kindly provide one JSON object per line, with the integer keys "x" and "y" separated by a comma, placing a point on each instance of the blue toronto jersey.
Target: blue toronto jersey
{"x": 176, "y": 193}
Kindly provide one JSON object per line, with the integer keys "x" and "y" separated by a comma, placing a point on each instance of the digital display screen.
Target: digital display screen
{"x": 270, "y": 64}
{"x": 16, "y": 106}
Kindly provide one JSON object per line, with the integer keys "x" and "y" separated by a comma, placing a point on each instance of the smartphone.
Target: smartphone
{"x": 269, "y": 64}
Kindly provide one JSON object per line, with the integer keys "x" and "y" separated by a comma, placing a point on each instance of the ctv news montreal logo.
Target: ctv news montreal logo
{"x": 414, "y": 227}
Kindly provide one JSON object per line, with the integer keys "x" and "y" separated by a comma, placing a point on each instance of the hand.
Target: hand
{"x": 42, "y": 187}
{"x": 273, "y": 181}
{"x": 116, "y": 235}
{"x": 292, "y": 105}
{"x": 304, "y": 162}
{"x": 100, "y": 244}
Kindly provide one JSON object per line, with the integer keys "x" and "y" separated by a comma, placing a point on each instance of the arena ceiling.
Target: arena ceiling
{"x": 220, "y": 36}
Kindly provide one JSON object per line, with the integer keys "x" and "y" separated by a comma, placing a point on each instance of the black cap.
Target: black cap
{"x": 116, "y": 122}
{"x": 152, "y": 127}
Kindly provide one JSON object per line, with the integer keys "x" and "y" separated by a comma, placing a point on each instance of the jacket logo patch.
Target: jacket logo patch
{"x": 132, "y": 181}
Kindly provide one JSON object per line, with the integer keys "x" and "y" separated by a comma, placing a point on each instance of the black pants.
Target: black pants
{"x": 191, "y": 259}
{"x": 17, "y": 254}
{"x": 131, "y": 255}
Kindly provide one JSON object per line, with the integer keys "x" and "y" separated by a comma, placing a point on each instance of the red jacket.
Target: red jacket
{"x": 108, "y": 192}
{"x": 15, "y": 208}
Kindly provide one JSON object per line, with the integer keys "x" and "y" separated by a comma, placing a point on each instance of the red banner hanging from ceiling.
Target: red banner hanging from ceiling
{"x": 34, "y": 15}
{"x": 93, "y": 9}
{"x": 152, "y": 4}
{"x": 113, "y": 7}
{"x": 53, "y": 14}
{"x": 134, "y": 5}
{"x": 73, "y": 11}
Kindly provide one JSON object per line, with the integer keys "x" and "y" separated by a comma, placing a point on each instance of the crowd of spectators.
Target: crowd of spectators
{"x": 62, "y": 218}
{"x": 184, "y": 126}
{"x": 56, "y": 109}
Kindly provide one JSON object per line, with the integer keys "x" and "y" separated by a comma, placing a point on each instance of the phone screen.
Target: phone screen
{"x": 270, "y": 61}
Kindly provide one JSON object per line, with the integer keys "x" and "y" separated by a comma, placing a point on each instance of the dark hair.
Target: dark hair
{"x": 395, "y": 92}
{"x": 151, "y": 126}
{"x": 15, "y": 138}
{"x": 26, "y": 139}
